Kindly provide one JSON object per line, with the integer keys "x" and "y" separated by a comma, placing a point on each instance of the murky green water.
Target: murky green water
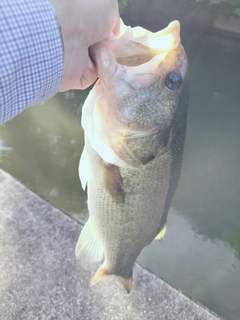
{"x": 201, "y": 251}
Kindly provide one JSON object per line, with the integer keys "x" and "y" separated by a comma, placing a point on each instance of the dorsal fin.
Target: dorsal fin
{"x": 162, "y": 233}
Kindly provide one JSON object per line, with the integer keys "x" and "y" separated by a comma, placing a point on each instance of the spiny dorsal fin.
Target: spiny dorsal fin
{"x": 89, "y": 243}
{"x": 161, "y": 234}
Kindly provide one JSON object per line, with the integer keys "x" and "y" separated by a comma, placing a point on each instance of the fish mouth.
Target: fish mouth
{"x": 145, "y": 44}
{"x": 134, "y": 47}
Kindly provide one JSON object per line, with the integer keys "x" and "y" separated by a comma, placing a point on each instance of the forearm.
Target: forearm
{"x": 31, "y": 55}
{"x": 33, "y": 66}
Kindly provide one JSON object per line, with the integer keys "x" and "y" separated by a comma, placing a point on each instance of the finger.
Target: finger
{"x": 88, "y": 77}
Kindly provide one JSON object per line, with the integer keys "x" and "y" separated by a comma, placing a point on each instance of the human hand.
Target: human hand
{"x": 83, "y": 23}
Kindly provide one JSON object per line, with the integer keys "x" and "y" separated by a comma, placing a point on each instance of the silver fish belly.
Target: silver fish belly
{"x": 135, "y": 122}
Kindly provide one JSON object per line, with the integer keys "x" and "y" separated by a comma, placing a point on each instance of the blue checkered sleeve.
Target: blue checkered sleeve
{"x": 31, "y": 55}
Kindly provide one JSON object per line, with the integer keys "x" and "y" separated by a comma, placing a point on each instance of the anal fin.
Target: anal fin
{"x": 161, "y": 234}
{"x": 89, "y": 244}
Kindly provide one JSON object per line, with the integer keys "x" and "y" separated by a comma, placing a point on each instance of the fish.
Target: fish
{"x": 134, "y": 122}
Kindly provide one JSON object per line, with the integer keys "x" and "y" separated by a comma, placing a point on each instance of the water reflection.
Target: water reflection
{"x": 46, "y": 142}
{"x": 201, "y": 251}
{"x": 4, "y": 150}
{"x": 3, "y": 147}
{"x": 205, "y": 269}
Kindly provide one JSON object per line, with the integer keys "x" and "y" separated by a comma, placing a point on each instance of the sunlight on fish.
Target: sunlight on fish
{"x": 163, "y": 40}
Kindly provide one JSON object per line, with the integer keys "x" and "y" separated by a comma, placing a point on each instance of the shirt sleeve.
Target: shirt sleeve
{"x": 31, "y": 54}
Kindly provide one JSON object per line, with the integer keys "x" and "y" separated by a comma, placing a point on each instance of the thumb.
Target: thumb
{"x": 116, "y": 28}
{"x": 88, "y": 77}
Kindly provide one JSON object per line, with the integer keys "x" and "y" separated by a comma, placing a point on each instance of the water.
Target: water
{"x": 201, "y": 251}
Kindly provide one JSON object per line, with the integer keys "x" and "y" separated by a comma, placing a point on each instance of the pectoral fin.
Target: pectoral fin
{"x": 113, "y": 182}
{"x": 84, "y": 169}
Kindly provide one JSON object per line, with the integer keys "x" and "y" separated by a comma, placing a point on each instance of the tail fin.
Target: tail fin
{"x": 102, "y": 273}
{"x": 127, "y": 283}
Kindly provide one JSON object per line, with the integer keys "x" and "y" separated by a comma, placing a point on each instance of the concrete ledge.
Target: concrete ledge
{"x": 40, "y": 278}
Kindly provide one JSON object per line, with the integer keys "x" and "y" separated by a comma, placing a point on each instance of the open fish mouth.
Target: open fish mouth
{"x": 136, "y": 46}
{"x": 136, "y": 51}
{"x": 147, "y": 44}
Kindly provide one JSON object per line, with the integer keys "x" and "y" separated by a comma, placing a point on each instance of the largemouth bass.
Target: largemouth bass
{"x": 134, "y": 121}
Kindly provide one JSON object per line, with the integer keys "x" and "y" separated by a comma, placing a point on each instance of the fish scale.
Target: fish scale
{"x": 125, "y": 223}
{"x": 134, "y": 121}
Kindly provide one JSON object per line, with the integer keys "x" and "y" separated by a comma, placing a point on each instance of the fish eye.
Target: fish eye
{"x": 173, "y": 80}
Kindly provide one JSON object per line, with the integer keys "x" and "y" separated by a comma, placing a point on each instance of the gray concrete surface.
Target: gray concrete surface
{"x": 40, "y": 278}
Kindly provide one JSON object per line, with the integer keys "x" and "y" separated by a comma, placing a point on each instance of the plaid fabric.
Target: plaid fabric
{"x": 31, "y": 54}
